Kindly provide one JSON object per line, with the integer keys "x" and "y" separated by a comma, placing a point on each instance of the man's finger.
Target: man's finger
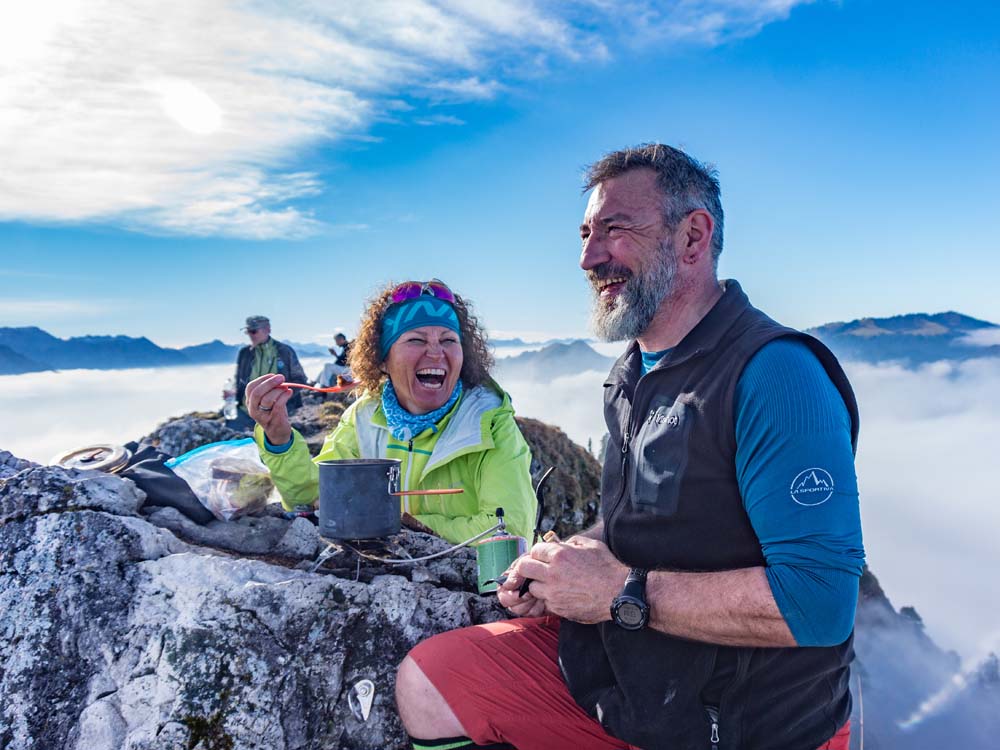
{"x": 544, "y": 550}
{"x": 537, "y": 610}
{"x": 529, "y": 568}
{"x": 523, "y": 608}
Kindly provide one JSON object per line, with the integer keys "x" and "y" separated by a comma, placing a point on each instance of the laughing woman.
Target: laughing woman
{"x": 428, "y": 399}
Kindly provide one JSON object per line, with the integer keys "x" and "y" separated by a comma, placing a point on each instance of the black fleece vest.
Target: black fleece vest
{"x": 670, "y": 500}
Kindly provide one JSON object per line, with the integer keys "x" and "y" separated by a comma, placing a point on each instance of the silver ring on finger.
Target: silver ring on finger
{"x": 265, "y": 408}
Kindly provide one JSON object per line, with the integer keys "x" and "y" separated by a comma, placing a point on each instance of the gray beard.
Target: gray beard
{"x": 632, "y": 311}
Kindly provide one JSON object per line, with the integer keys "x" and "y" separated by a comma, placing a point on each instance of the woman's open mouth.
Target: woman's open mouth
{"x": 431, "y": 377}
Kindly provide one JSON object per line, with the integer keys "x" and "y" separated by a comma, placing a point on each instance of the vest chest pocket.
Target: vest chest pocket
{"x": 660, "y": 457}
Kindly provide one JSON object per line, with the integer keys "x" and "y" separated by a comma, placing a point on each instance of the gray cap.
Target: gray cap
{"x": 257, "y": 321}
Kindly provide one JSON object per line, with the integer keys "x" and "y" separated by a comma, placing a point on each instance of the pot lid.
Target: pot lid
{"x": 102, "y": 457}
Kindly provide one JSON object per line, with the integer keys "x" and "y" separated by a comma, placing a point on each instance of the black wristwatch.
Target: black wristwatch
{"x": 629, "y": 610}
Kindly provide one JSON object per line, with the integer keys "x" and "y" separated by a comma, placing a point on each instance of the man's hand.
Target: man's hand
{"x": 577, "y": 579}
{"x": 265, "y": 399}
{"x": 508, "y": 594}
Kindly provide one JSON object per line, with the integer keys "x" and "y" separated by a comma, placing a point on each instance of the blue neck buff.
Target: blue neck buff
{"x": 425, "y": 310}
{"x": 405, "y": 426}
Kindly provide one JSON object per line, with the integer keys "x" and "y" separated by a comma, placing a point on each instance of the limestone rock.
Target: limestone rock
{"x": 115, "y": 632}
{"x": 178, "y": 436}
{"x": 11, "y": 464}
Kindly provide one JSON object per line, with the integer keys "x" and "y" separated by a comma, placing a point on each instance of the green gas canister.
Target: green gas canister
{"x": 495, "y": 554}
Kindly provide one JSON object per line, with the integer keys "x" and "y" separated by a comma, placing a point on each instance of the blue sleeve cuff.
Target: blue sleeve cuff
{"x": 283, "y": 448}
{"x": 818, "y": 603}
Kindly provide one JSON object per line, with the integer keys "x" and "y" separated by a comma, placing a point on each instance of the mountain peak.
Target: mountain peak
{"x": 914, "y": 338}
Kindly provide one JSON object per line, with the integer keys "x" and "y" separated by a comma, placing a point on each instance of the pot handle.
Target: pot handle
{"x": 393, "y": 475}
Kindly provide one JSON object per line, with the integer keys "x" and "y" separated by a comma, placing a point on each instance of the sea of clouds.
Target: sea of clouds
{"x": 926, "y": 461}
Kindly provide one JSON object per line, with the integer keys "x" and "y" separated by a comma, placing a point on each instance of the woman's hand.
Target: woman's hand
{"x": 266, "y": 398}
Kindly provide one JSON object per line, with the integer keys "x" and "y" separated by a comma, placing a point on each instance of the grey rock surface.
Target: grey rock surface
{"x": 178, "y": 436}
{"x": 11, "y": 464}
{"x": 122, "y": 631}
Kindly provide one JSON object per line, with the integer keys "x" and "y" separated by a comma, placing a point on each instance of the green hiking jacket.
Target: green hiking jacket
{"x": 477, "y": 447}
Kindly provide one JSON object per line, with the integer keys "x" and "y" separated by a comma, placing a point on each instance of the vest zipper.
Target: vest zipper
{"x": 626, "y": 437}
{"x": 713, "y": 716}
{"x": 406, "y": 479}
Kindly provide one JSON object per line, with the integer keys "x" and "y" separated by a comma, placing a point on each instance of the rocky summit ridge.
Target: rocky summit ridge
{"x": 126, "y": 626}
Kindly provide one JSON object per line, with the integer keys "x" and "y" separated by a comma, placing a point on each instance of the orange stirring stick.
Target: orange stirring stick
{"x": 334, "y": 389}
{"x": 427, "y": 492}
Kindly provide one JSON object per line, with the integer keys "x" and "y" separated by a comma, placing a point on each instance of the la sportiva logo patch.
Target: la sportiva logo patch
{"x": 812, "y": 487}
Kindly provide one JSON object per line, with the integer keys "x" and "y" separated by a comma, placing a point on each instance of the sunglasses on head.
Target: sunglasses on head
{"x": 413, "y": 289}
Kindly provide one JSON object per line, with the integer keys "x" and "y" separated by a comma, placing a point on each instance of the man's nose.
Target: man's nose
{"x": 593, "y": 253}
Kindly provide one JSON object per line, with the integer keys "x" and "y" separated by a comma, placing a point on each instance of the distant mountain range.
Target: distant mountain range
{"x": 553, "y": 361}
{"x": 30, "y": 349}
{"x": 912, "y": 340}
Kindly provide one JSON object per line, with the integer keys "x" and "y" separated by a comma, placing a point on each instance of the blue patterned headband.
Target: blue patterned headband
{"x": 425, "y": 310}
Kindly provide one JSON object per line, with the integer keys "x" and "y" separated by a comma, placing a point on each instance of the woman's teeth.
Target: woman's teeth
{"x": 431, "y": 377}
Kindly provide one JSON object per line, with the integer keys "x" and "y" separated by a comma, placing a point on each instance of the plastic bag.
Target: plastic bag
{"x": 228, "y": 477}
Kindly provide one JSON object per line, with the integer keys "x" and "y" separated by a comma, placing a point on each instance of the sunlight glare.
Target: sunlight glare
{"x": 189, "y": 106}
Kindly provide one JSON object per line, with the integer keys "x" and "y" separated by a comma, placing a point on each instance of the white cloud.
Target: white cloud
{"x": 925, "y": 468}
{"x": 47, "y": 413}
{"x": 982, "y": 337}
{"x": 439, "y": 120}
{"x": 574, "y": 403}
{"x": 709, "y": 22}
{"x": 186, "y": 117}
{"x": 471, "y": 88}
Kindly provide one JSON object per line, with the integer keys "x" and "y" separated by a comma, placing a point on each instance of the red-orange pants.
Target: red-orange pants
{"x": 502, "y": 680}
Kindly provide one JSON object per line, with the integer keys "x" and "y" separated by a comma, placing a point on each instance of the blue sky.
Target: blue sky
{"x": 166, "y": 172}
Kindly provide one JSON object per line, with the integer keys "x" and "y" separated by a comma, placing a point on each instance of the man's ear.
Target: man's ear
{"x": 697, "y": 230}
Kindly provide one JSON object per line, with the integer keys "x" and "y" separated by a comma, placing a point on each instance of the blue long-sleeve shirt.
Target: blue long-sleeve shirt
{"x": 795, "y": 470}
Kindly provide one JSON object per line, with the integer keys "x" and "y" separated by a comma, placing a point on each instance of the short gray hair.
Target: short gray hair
{"x": 687, "y": 184}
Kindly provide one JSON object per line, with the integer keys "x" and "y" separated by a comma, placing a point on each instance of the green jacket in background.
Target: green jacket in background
{"x": 477, "y": 447}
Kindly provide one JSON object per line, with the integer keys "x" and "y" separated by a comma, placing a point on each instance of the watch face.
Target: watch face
{"x": 629, "y": 614}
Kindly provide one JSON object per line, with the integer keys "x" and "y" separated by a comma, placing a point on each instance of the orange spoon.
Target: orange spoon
{"x": 334, "y": 389}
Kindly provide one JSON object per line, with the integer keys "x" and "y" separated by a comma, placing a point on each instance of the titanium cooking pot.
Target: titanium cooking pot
{"x": 356, "y": 500}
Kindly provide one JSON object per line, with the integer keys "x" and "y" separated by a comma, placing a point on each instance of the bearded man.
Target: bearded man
{"x": 713, "y": 605}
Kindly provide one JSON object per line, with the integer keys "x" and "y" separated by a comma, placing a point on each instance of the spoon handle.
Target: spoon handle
{"x": 427, "y": 492}
{"x": 334, "y": 389}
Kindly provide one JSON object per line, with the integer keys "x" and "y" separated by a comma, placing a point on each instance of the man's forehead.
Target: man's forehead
{"x": 624, "y": 197}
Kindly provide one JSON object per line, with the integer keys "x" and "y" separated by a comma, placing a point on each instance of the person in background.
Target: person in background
{"x": 339, "y": 369}
{"x": 713, "y": 605}
{"x": 261, "y": 356}
{"x": 423, "y": 364}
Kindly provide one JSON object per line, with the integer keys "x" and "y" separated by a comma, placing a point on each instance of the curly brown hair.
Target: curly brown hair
{"x": 366, "y": 360}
